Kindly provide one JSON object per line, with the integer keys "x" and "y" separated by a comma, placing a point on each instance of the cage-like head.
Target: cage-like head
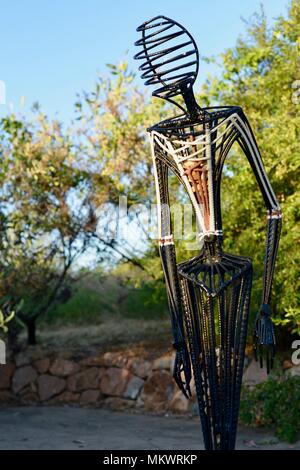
{"x": 171, "y": 60}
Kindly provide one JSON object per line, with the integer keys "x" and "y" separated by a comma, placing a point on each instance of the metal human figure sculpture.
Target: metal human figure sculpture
{"x": 209, "y": 294}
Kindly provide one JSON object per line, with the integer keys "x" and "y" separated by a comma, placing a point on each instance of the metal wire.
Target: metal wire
{"x": 171, "y": 57}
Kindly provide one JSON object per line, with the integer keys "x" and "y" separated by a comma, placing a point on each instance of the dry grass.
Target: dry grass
{"x": 113, "y": 332}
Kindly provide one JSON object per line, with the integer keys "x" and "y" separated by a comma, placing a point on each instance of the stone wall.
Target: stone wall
{"x": 119, "y": 379}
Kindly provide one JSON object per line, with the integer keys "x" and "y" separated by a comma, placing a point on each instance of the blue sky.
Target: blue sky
{"x": 51, "y": 49}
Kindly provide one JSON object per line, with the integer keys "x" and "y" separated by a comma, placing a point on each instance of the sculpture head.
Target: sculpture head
{"x": 171, "y": 61}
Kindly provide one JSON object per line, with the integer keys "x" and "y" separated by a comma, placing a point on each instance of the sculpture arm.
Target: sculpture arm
{"x": 264, "y": 338}
{"x": 168, "y": 259}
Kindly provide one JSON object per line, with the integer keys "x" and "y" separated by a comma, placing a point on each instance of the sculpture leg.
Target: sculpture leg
{"x": 216, "y": 298}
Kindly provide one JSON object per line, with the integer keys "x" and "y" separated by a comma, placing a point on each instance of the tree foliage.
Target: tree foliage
{"x": 45, "y": 216}
{"x": 259, "y": 74}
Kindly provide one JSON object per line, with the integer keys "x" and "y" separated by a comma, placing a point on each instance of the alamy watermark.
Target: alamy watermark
{"x": 4, "y": 320}
{"x": 296, "y": 353}
{"x": 122, "y": 222}
{"x": 2, "y": 352}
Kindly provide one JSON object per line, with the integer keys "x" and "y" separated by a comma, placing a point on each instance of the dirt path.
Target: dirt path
{"x": 102, "y": 429}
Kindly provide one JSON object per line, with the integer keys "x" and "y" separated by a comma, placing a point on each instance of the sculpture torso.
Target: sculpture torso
{"x": 195, "y": 151}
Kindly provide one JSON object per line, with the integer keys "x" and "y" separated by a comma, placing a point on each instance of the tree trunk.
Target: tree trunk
{"x": 31, "y": 333}
{"x": 12, "y": 338}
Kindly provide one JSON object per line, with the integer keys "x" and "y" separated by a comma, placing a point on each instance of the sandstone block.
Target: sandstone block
{"x": 42, "y": 365}
{"x": 115, "y": 381}
{"x": 6, "y": 373}
{"x": 89, "y": 397}
{"x": 49, "y": 386}
{"x": 22, "y": 377}
{"x": 86, "y": 379}
{"x": 63, "y": 367}
{"x": 158, "y": 390}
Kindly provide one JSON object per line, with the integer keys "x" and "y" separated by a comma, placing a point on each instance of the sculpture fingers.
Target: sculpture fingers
{"x": 182, "y": 367}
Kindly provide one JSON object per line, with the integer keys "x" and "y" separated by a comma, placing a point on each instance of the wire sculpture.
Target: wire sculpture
{"x": 208, "y": 295}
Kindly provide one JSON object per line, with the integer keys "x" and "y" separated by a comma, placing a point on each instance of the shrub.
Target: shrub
{"x": 274, "y": 404}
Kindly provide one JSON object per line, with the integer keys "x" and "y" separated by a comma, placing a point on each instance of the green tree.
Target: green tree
{"x": 46, "y": 220}
{"x": 259, "y": 74}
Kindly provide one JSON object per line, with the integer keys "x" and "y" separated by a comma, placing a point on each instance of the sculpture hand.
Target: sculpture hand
{"x": 182, "y": 367}
{"x": 264, "y": 337}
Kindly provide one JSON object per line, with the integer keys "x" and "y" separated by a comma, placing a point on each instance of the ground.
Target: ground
{"x": 112, "y": 332}
{"x": 101, "y": 429}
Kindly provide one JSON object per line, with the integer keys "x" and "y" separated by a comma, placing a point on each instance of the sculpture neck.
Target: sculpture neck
{"x": 213, "y": 249}
{"x": 190, "y": 101}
